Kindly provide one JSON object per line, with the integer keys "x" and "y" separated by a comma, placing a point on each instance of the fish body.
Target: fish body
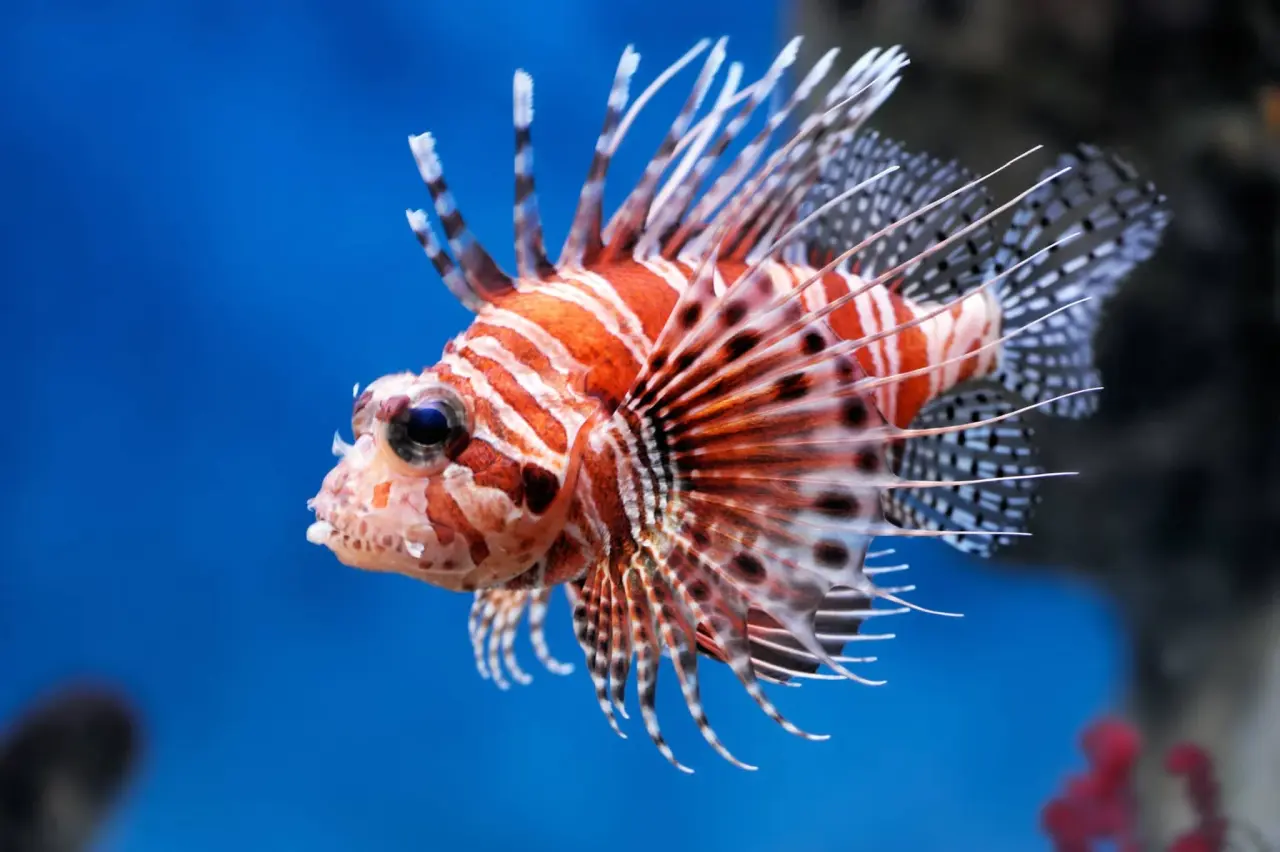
{"x": 698, "y": 418}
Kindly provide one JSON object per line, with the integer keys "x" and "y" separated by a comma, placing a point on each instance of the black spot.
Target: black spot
{"x": 684, "y": 445}
{"x": 844, "y": 370}
{"x": 734, "y": 312}
{"x": 866, "y": 461}
{"x": 853, "y": 413}
{"x": 748, "y": 567}
{"x": 659, "y": 360}
{"x": 699, "y": 591}
{"x": 833, "y": 504}
{"x": 740, "y": 344}
{"x": 540, "y": 487}
{"x": 701, "y": 539}
{"x": 691, "y": 315}
{"x": 812, "y": 343}
{"x": 685, "y": 361}
{"x": 830, "y": 553}
{"x": 791, "y": 387}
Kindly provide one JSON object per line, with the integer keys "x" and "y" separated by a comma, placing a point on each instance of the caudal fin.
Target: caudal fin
{"x": 1119, "y": 219}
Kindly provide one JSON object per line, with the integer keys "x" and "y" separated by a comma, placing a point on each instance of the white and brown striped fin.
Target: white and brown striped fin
{"x": 760, "y": 204}
{"x": 663, "y": 218}
{"x": 531, "y": 253}
{"x": 767, "y": 462}
{"x": 480, "y": 279}
{"x": 494, "y": 621}
{"x": 453, "y": 278}
{"x": 625, "y": 226}
{"x": 583, "y": 243}
{"x": 495, "y": 618}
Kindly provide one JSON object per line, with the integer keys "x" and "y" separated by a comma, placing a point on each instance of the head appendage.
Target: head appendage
{"x": 453, "y": 278}
{"x": 483, "y": 277}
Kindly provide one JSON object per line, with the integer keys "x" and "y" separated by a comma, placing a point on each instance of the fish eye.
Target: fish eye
{"x": 430, "y": 430}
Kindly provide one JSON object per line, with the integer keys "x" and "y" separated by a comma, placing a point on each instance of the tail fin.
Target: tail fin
{"x": 1119, "y": 218}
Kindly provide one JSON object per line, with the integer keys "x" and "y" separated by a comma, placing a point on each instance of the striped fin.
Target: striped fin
{"x": 774, "y": 205}
{"x": 583, "y": 242}
{"x": 764, "y": 465}
{"x": 494, "y": 621}
{"x": 630, "y": 218}
{"x": 480, "y": 280}
{"x": 1121, "y": 219}
{"x": 919, "y": 180}
{"x": 721, "y": 544}
{"x": 740, "y": 168}
{"x": 759, "y": 204}
{"x": 778, "y": 658}
{"x": 666, "y": 221}
{"x": 531, "y": 254}
{"x": 991, "y": 470}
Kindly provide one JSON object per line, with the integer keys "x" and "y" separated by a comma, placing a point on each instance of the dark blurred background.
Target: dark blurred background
{"x": 203, "y": 246}
{"x": 1177, "y": 513}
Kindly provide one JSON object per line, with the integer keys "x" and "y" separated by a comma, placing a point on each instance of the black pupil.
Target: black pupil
{"x": 428, "y": 425}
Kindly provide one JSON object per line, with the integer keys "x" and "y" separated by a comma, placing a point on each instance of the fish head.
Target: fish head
{"x": 421, "y": 492}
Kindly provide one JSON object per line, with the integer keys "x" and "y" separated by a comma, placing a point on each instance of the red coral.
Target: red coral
{"x": 1100, "y": 805}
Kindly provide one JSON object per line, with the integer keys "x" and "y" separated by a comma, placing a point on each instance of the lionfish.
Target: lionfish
{"x": 699, "y": 417}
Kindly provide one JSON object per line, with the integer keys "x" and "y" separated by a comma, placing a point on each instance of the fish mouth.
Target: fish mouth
{"x": 320, "y": 532}
{"x": 394, "y": 552}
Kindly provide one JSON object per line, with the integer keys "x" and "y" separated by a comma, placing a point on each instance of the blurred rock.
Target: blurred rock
{"x": 62, "y": 767}
{"x": 1177, "y": 509}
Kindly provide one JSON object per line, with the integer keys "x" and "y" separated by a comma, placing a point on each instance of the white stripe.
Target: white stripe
{"x": 550, "y": 399}
{"x": 968, "y": 332}
{"x": 815, "y": 295}
{"x": 544, "y": 341}
{"x": 890, "y": 349}
{"x": 586, "y": 493}
{"x": 572, "y": 295}
{"x": 508, "y": 416}
{"x": 607, "y": 293}
{"x": 667, "y": 271}
{"x": 935, "y": 331}
{"x": 648, "y": 504}
{"x": 991, "y": 313}
{"x": 626, "y": 488}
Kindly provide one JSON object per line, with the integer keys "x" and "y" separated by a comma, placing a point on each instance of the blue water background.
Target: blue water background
{"x": 203, "y": 249}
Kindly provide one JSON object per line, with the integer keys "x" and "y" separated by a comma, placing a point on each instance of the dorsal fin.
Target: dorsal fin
{"x": 583, "y": 241}
{"x": 630, "y": 218}
{"x": 921, "y": 179}
{"x": 531, "y": 254}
